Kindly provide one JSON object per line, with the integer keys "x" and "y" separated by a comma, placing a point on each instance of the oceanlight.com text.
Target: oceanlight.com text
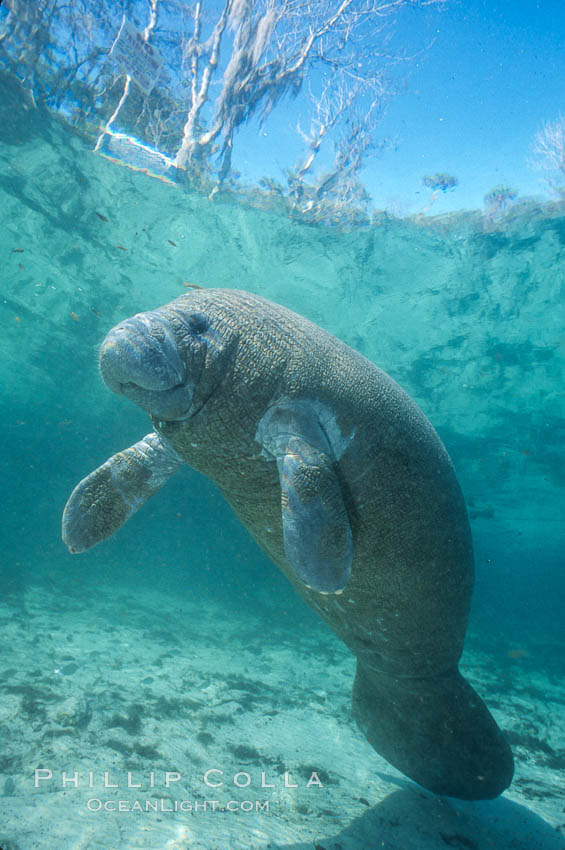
{"x": 166, "y": 805}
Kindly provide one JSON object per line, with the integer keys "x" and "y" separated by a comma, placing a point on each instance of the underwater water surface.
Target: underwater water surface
{"x": 176, "y": 646}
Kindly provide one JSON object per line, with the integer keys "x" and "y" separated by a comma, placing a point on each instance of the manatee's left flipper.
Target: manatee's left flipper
{"x": 316, "y": 530}
{"x": 106, "y": 498}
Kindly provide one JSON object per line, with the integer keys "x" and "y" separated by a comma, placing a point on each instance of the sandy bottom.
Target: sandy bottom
{"x": 126, "y": 685}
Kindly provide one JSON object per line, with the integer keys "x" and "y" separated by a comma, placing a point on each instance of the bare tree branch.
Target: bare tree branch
{"x": 127, "y": 85}
{"x": 274, "y": 44}
{"x": 229, "y": 62}
{"x": 191, "y": 147}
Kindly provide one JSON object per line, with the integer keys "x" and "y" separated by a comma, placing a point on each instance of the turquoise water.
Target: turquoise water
{"x": 176, "y": 645}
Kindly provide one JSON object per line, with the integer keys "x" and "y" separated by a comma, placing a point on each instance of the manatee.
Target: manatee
{"x": 342, "y": 481}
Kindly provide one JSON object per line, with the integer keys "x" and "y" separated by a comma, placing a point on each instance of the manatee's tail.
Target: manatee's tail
{"x": 437, "y": 731}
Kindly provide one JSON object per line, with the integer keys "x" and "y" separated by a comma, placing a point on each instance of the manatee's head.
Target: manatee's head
{"x": 156, "y": 359}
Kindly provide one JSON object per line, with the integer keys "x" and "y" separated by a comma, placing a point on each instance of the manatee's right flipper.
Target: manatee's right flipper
{"x": 105, "y": 499}
{"x": 317, "y": 537}
{"x": 316, "y": 530}
{"x": 437, "y": 731}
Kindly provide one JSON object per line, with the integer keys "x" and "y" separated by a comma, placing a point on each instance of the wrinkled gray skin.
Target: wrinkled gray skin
{"x": 342, "y": 481}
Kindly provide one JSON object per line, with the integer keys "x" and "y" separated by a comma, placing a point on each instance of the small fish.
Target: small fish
{"x": 16, "y": 318}
{"x": 74, "y": 316}
{"x": 192, "y": 285}
{"x": 174, "y": 244}
{"x": 95, "y": 311}
{"x": 21, "y": 268}
{"x": 121, "y": 248}
{"x": 518, "y": 653}
{"x": 101, "y": 217}
{"x": 17, "y": 250}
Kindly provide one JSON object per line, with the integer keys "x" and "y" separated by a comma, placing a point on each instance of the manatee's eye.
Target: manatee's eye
{"x": 195, "y": 323}
{"x": 198, "y": 323}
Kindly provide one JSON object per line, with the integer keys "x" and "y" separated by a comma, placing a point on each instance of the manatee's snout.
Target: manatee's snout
{"x": 140, "y": 359}
{"x": 142, "y": 351}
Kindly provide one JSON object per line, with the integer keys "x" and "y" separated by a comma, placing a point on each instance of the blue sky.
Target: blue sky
{"x": 472, "y": 104}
